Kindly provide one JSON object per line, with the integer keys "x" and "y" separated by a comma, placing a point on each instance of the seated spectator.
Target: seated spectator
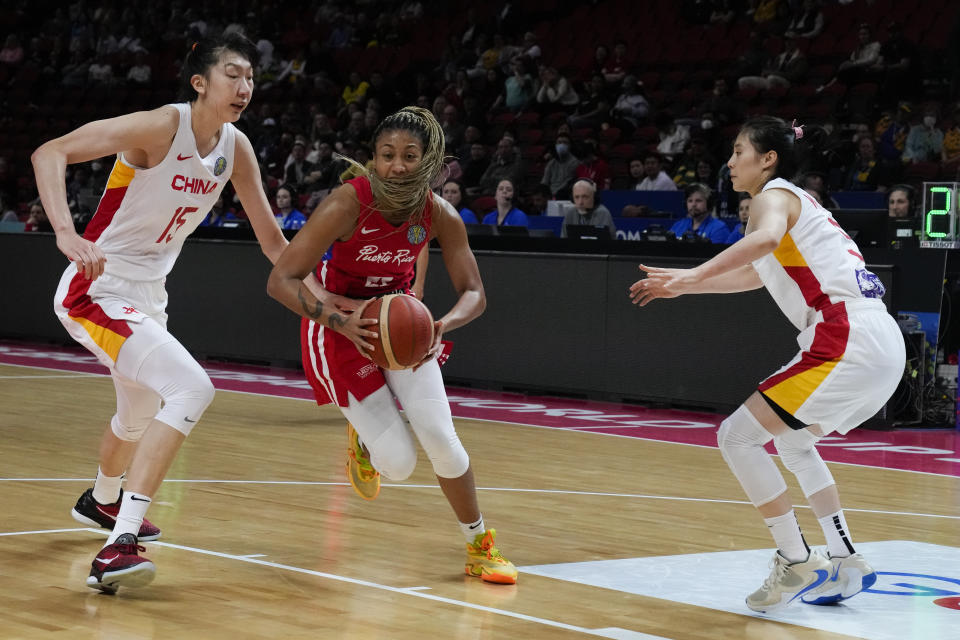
{"x": 322, "y": 130}
{"x": 355, "y": 89}
{"x": 867, "y": 172}
{"x": 891, "y": 131}
{"x": 220, "y": 217}
{"x": 37, "y": 219}
{"x": 474, "y": 166}
{"x": 594, "y": 105}
{"x": 299, "y": 173}
{"x": 506, "y": 214}
{"x": 631, "y": 107}
{"x": 673, "y": 137}
{"x": 901, "y": 201}
{"x": 288, "y": 216}
{"x": 815, "y": 183}
{"x": 700, "y": 221}
{"x": 925, "y": 141}
{"x": 556, "y": 93}
{"x": 616, "y": 66}
{"x": 593, "y": 167}
{"x": 506, "y": 164}
{"x": 454, "y": 192}
{"x": 537, "y": 202}
{"x": 140, "y": 72}
{"x": 585, "y": 209}
{"x": 561, "y": 169}
{"x": 654, "y": 177}
{"x": 857, "y": 68}
{"x": 807, "y": 22}
{"x": 896, "y": 69}
{"x": 740, "y": 229}
{"x": 453, "y": 129}
{"x": 950, "y": 154}
{"x": 783, "y": 70}
{"x": 100, "y": 71}
{"x": 686, "y": 171}
{"x": 517, "y": 88}
{"x": 721, "y": 104}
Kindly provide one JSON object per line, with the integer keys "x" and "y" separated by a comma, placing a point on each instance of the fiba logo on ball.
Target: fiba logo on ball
{"x": 416, "y": 234}
{"x": 219, "y": 166}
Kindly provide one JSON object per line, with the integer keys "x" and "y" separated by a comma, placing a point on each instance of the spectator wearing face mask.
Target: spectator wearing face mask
{"x": 561, "y": 170}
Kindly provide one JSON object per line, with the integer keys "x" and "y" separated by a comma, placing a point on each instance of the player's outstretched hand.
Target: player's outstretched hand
{"x": 661, "y": 282}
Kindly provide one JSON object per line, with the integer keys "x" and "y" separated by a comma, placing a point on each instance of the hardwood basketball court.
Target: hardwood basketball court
{"x": 264, "y": 538}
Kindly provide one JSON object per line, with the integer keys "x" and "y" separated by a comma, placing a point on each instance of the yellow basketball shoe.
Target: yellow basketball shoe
{"x": 364, "y": 479}
{"x": 484, "y": 560}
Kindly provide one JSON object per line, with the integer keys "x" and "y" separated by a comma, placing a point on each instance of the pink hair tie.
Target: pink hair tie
{"x": 797, "y": 131}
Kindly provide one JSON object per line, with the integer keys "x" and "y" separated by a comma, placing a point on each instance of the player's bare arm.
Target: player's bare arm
{"x": 333, "y": 218}
{"x": 246, "y": 181}
{"x": 144, "y": 138}
{"x": 461, "y": 265}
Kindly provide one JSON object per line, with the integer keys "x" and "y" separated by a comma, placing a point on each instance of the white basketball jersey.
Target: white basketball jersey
{"x": 817, "y": 264}
{"x": 145, "y": 215}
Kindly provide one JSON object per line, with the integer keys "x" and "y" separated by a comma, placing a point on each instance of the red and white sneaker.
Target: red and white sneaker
{"x": 91, "y": 513}
{"x": 119, "y": 565}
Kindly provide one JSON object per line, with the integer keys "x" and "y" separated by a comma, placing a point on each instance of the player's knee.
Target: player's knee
{"x": 741, "y": 431}
{"x": 186, "y": 400}
{"x": 801, "y": 458}
{"x": 450, "y": 461}
{"x": 128, "y": 428}
{"x": 397, "y": 465}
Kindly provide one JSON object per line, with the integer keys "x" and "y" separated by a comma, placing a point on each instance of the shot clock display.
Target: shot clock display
{"x": 939, "y": 221}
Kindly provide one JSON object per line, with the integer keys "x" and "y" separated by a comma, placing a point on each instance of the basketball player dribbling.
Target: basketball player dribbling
{"x": 172, "y": 163}
{"x": 850, "y": 361}
{"x": 378, "y": 223}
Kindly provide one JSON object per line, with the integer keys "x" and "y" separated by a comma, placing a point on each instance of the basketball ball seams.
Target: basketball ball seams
{"x": 384, "y": 331}
{"x": 405, "y": 328}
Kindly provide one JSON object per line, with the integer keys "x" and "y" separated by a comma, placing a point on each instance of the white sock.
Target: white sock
{"x": 839, "y": 540}
{"x": 786, "y": 533}
{"x": 106, "y": 489}
{"x": 471, "y": 530}
{"x": 132, "y": 510}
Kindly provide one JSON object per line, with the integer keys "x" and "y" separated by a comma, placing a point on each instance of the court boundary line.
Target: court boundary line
{"x": 417, "y": 592}
{"x": 581, "y": 429}
{"x": 602, "y": 494}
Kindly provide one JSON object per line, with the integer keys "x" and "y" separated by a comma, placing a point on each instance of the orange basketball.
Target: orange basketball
{"x": 405, "y": 329}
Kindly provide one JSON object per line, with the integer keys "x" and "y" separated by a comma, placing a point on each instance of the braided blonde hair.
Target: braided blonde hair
{"x": 405, "y": 197}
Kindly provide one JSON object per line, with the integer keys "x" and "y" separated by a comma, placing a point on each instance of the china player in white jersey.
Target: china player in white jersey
{"x": 172, "y": 163}
{"x": 851, "y": 359}
{"x": 377, "y": 225}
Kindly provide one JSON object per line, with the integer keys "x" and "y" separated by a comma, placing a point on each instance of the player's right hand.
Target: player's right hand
{"x": 356, "y": 328}
{"x": 88, "y": 257}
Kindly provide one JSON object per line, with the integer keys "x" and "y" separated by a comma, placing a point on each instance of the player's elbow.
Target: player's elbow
{"x": 275, "y": 285}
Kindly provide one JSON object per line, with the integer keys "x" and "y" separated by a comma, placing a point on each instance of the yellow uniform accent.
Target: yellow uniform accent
{"x": 787, "y": 253}
{"x": 120, "y": 176}
{"x": 106, "y": 339}
{"x": 794, "y": 391}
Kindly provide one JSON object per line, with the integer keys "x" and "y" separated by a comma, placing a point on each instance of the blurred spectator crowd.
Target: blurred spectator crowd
{"x": 539, "y": 93}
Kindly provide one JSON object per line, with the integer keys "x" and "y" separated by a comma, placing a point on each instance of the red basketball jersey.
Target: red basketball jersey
{"x": 379, "y": 257}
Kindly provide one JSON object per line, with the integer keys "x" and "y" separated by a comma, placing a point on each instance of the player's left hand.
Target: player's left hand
{"x": 435, "y": 347}
{"x": 662, "y": 282}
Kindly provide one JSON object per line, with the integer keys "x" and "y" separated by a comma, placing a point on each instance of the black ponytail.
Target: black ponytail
{"x": 795, "y": 145}
{"x": 206, "y": 52}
